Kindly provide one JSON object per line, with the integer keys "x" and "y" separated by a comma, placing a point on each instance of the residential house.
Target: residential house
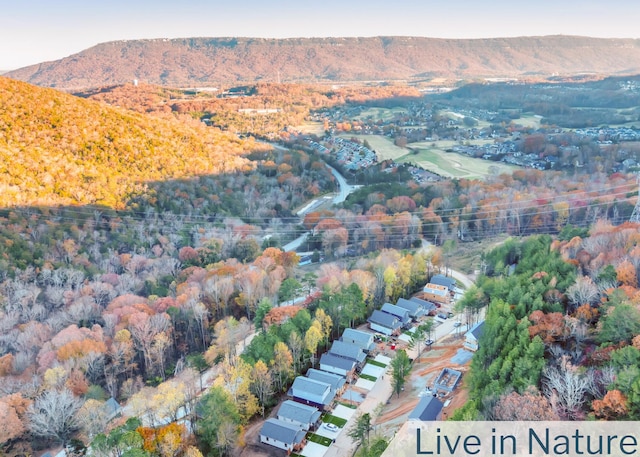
{"x": 362, "y": 339}
{"x": 387, "y": 324}
{"x": 338, "y": 365}
{"x": 312, "y": 392}
{"x": 429, "y": 307}
{"x": 442, "y": 280}
{"x": 472, "y": 336}
{"x": 416, "y": 310}
{"x": 348, "y": 351}
{"x": 302, "y": 416}
{"x": 282, "y": 435}
{"x": 401, "y": 313}
{"x": 337, "y": 382}
{"x": 429, "y": 408}
{"x": 437, "y": 293}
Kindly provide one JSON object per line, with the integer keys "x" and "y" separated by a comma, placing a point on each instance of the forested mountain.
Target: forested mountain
{"x": 215, "y": 61}
{"x": 59, "y": 149}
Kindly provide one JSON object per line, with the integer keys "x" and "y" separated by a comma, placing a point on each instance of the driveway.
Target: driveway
{"x": 313, "y": 450}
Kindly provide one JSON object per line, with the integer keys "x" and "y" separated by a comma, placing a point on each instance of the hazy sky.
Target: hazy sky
{"x": 33, "y": 31}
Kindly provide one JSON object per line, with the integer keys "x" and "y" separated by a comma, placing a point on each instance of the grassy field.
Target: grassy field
{"x": 383, "y": 146}
{"x": 384, "y": 114}
{"x": 453, "y": 165}
{"x": 319, "y": 439}
{"x": 338, "y": 421}
{"x": 311, "y": 128}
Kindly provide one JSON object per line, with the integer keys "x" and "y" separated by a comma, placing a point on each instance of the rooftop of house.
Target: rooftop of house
{"x": 298, "y": 412}
{"x": 427, "y": 409}
{"x": 334, "y": 380}
{"x": 384, "y": 319}
{"x": 282, "y": 431}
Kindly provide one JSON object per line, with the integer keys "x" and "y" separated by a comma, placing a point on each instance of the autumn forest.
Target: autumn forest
{"x": 145, "y": 250}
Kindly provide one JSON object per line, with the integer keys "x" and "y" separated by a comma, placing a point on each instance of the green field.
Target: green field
{"x": 383, "y": 146}
{"x": 319, "y": 439}
{"x": 453, "y": 165}
{"x": 384, "y": 114}
{"x": 311, "y": 128}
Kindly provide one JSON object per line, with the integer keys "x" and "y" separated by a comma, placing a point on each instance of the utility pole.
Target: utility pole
{"x": 635, "y": 216}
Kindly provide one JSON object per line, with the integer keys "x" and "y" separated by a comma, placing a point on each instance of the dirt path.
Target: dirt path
{"x": 423, "y": 374}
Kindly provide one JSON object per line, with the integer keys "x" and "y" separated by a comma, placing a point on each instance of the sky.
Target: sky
{"x": 34, "y": 31}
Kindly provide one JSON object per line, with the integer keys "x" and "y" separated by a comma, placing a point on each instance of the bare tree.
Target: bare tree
{"x": 565, "y": 387}
{"x": 54, "y": 415}
{"x": 583, "y": 291}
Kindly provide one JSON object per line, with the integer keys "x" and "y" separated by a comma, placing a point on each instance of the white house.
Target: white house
{"x": 302, "y": 416}
{"x": 472, "y": 336}
{"x": 387, "y": 324}
{"x": 362, "y": 339}
{"x": 282, "y": 435}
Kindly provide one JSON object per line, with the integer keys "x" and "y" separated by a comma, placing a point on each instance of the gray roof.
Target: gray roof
{"x": 298, "y": 412}
{"x": 282, "y": 431}
{"x": 335, "y": 380}
{"x": 112, "y": 407}
{"x": 338, "y": 362}
{"x": 384, "y": 319}
{"x": 476, "y": 330}
{"x": 362, "y": 339}
{"x": 312, "y": 386}
{"x": 428, "y": 306}
{"x": 347, "y": 351}
{"x": 400, "y": 313}
{"x": 415, "y": 309}
{"x": 443, "y": 280}
{"x": 427, "y": 409}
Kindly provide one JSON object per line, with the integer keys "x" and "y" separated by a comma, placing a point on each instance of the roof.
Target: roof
{"x": 298, "y": 412}
{"x": 302, "y": 384}
{"x": 357, "y": 336}
{"x": 281, "y": 431}
{"x": 335, "y": 380}
{"x": 443, "y": 280}
{"x": 401, "y": 313}
{"x": 427, "y": 409}
{"x": 436, "y": 289}
{"x": 348, "y": 351}
{"x": 428, "y": 306}
{"x": 476, "y": 330}
{"x": 338, "y": 362}
{"x": 384, "y": 319}
{"x": 111, "y": 406}
{"x": 415, "y": 309}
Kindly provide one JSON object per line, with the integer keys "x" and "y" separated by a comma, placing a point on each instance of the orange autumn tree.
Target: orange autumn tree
{"x": 612, "y": 406}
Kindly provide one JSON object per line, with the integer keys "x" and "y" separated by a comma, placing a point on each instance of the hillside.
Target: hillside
{"x": 216, "y": 61}
{"x": 59, "y": 149}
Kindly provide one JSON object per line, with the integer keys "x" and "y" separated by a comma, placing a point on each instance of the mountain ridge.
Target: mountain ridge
{"x": 231, "y": 60}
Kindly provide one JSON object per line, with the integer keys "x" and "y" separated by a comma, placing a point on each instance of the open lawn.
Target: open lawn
{"x": 376, "y": 363}
{"x": 338, "y": 421}
{"x": 453, "y": 165}
{"x": 384, "y": 147}
{"x": 384, "y": 114}
{"x": 311, "y": 128}
{"x": 319, "y": 439}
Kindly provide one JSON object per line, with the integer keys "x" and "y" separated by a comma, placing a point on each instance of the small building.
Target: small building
{"x": 437, "y": 293}
{"x": 472, "y": 336}
{"x": 385, "y": 323}
{"x": 338, "y": 365}
{"x": 348, "y": 351}
{"x": 416, "y": 310}
{"x": 429, "y": 408}
{"x": 362, "y": 339}
{"x": 311, "y": 392}
{"x": 442, "y": 280}
{"x": 336, "y": 381}
{"x": 401, "y": 313}
{"x": 282, "y": 435}
{"x": 302, "y": 416}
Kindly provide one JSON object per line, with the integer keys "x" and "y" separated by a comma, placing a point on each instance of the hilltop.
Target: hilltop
{"x": 56, "y": 148}
{"x": 214, "y": 61}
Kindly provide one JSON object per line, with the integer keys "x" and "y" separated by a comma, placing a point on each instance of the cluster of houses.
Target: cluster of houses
{"x": 314, "y": 393}
{"x": 391, "y": 319}
{"x": 353, "y": 156}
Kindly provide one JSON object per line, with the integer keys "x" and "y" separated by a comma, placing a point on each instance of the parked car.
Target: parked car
{"x": 457, "y": 324}
{"x": 328, "y": 426}
{"x": 442, "y": 316}
{"x": 429, "y": 342}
